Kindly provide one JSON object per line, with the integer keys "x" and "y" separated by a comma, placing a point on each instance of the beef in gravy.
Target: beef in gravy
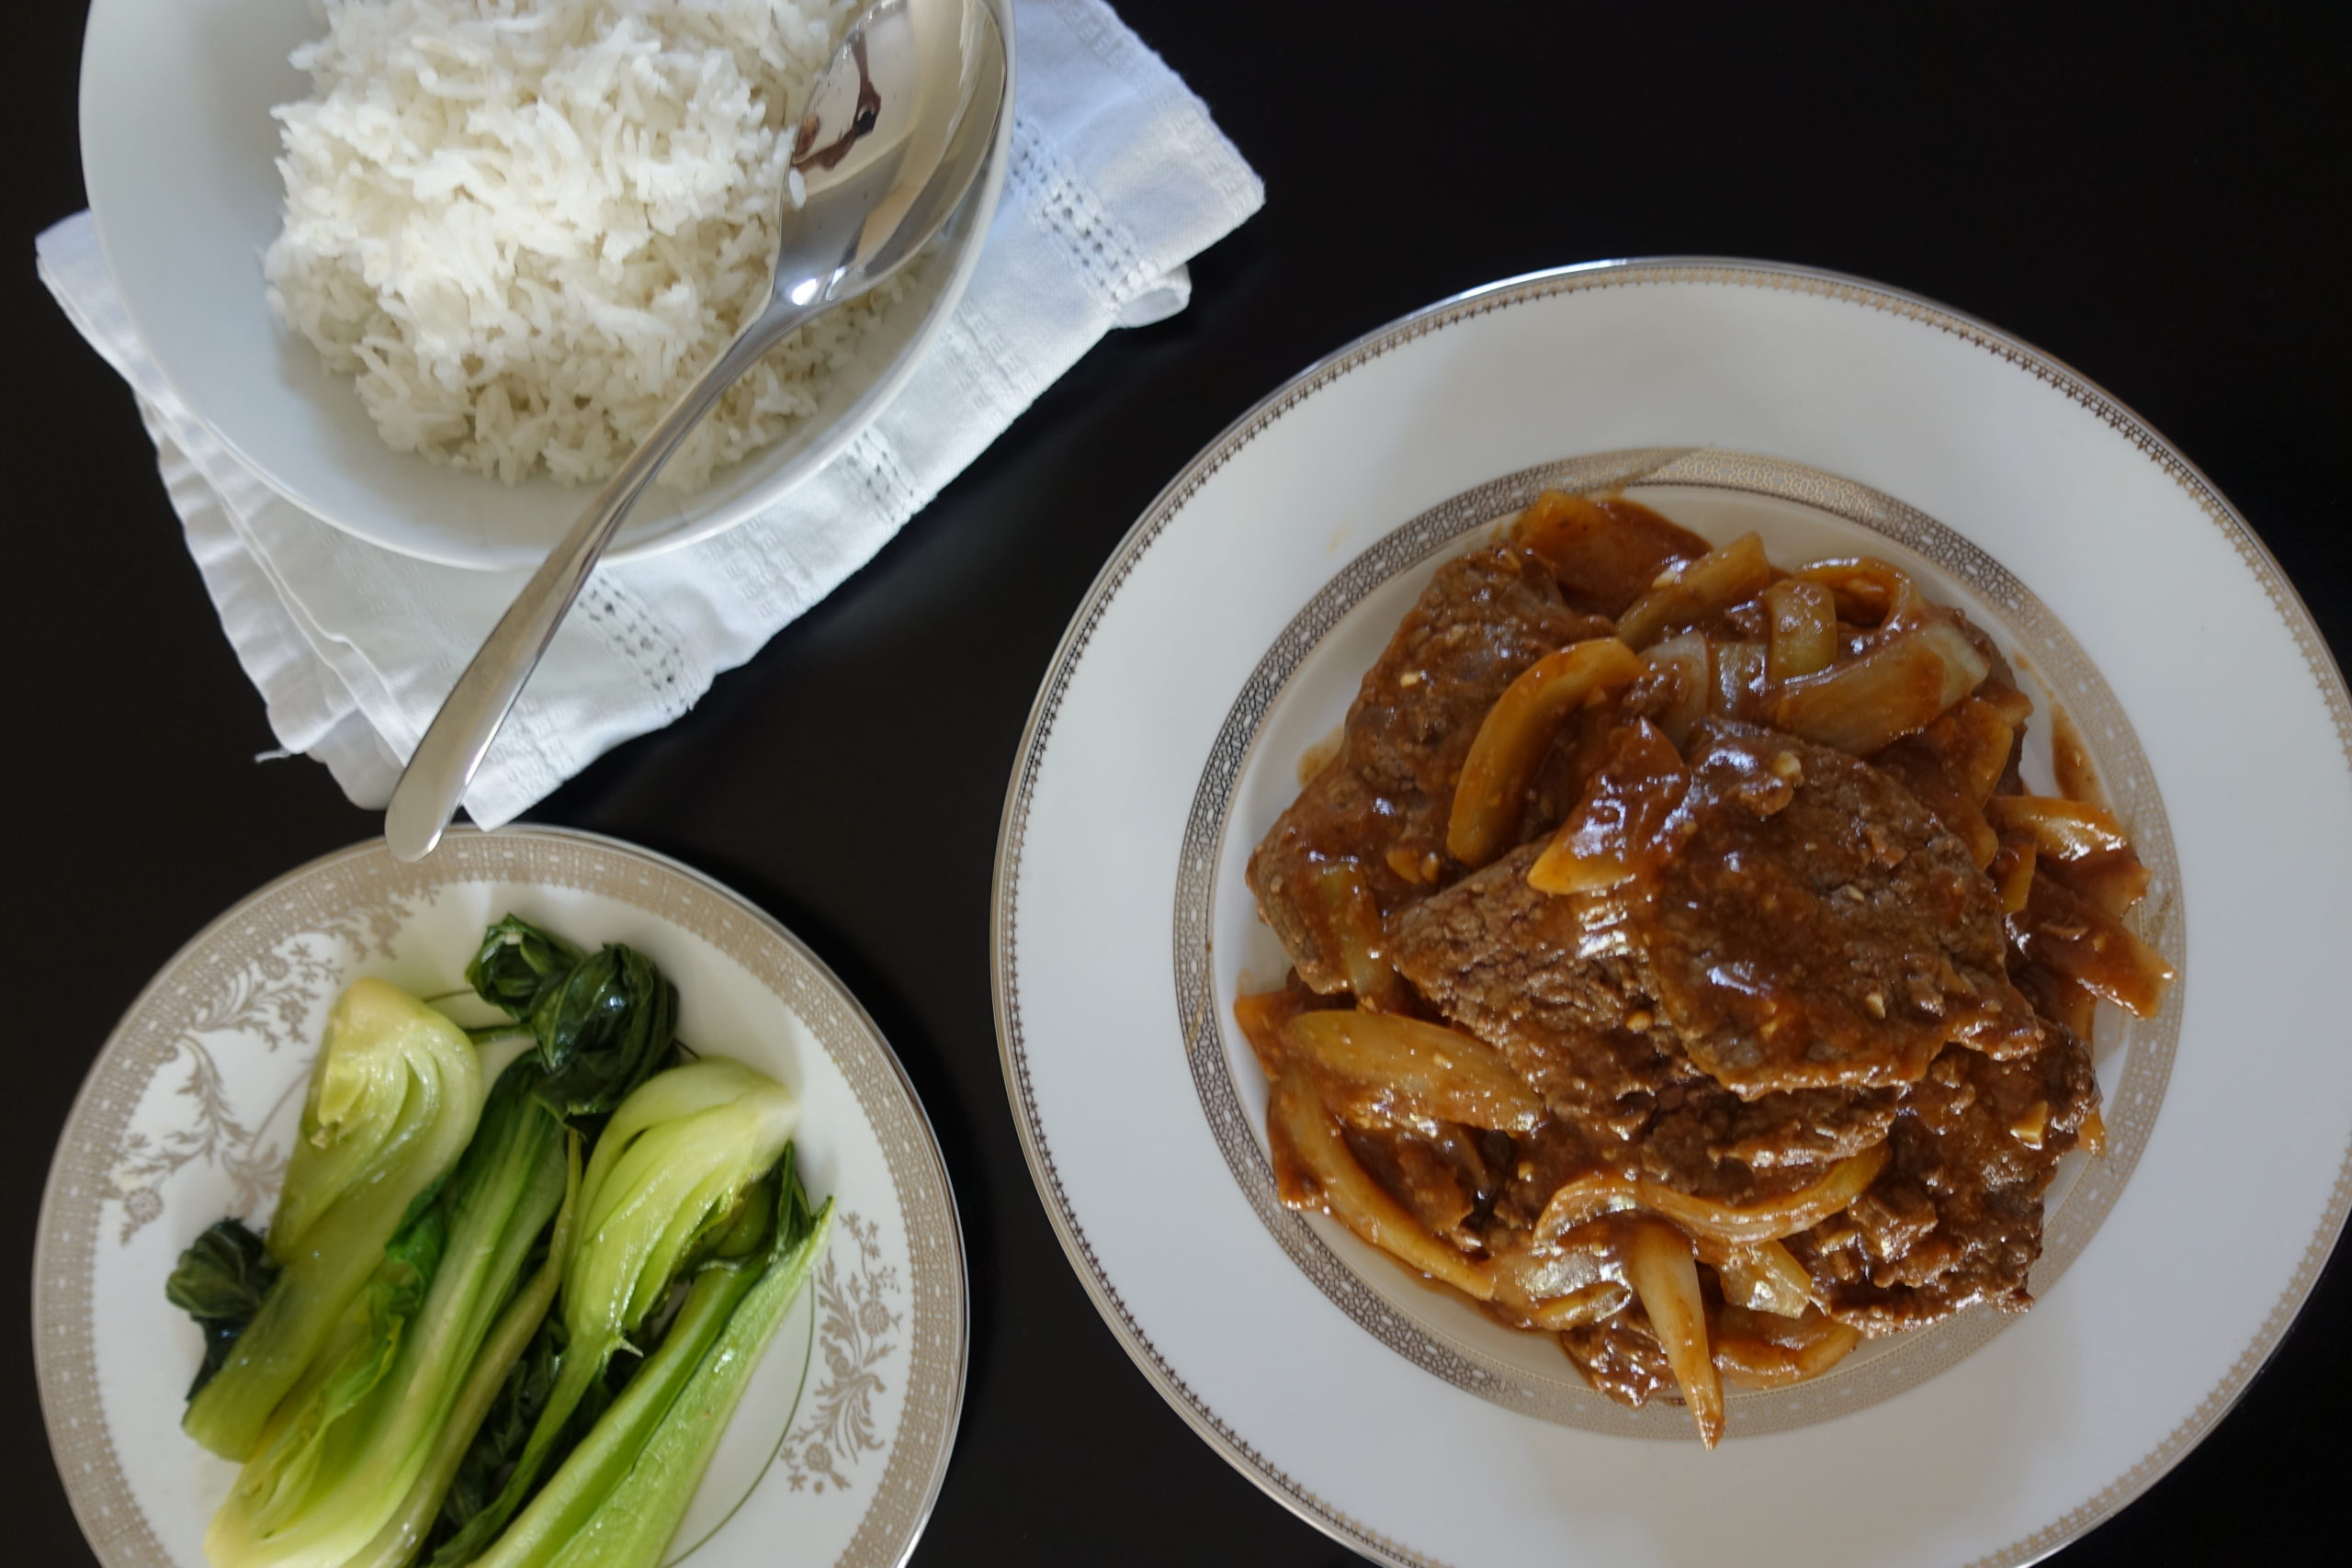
{"x": 1764, "y": 990}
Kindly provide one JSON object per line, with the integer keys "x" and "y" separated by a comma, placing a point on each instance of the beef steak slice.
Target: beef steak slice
{"x": 1817, "y": 927}
{"x": 1384, "y": 799}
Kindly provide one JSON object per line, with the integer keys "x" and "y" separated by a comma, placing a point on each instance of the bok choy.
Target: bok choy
{"x": 516, "y": 1327}
{"x": 221, "y": 1281}
{"x": 665, "y": 1190}
{"x": 352, "y": 1467}
{"x": 618, "y": 1497}
{"x": 392, "y": 1100}
{"x": 604, "y": 1021}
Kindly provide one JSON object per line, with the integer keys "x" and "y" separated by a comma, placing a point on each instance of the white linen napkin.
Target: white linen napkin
{"x": 1118, "y": 176}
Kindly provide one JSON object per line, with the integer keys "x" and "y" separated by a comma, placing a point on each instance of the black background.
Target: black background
{"x": 2142, "y": 198}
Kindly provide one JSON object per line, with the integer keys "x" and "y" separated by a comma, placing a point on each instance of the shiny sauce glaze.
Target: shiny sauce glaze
{"x": 1747, "y": 1015}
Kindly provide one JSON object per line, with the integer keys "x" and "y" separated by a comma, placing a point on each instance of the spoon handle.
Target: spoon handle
{"x": 446, "y": 759}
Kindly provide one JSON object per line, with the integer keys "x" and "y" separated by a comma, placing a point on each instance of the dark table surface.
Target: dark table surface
{"x": 2144, "y": 201}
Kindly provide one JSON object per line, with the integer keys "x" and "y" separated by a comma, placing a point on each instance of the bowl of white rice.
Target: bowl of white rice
{"x": 431, "y": 268}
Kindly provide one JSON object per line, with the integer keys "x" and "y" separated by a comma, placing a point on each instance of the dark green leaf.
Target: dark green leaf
{"x": 607, "y": 1028}
{"x": 515, "y": 962}
{"x": 605, "y": 1022}
{"x": 220, "y": 1281}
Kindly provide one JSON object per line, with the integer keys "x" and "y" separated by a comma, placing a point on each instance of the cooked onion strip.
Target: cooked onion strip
{"x": 1869, "y": 592}
{"x": 1981, "y": 738}
{"x": 1687, "y": 670}
{"x": 1803, "y": 625}
{"x": 1664, "y": 1276}
{"x": 1622, "y": 826}
{"x": 1752, "y": 1355}
{"x": 2068, "y": 1003}
{"x": 1555, "y": 1288}
{"x": 1739, "y": 679}
{"x": 1899, "y": 687}
{"x": 1379, "y": 1068}
{"x": 1261, "y": 1018}
{"x": 2013, "y": 869}
{"x": 1353, "y": 1198}
{"x": 1766, "y": 1277}
{"x": 1581, "y": 1201}
{"x": 2091, "y": 1137}
{"x": 2110, "y": 884}
{"x": 1355, "y": 925}
{"x": 1604, "y": 1299}
{"x": 2064, "y": 830}
{"x": 1512, "y": 737}
{"x": 1688, "y": 593}
{"x": 1605, "y": 552}
{"x": 1746, "y": 1225}
{"x": 2067, "y": 935}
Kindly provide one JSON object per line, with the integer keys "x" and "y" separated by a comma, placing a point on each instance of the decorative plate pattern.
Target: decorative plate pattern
{"x": 188, "y": 1112}
{"x": 1695, "y": 342}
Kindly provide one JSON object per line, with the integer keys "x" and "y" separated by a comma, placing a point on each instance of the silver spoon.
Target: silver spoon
{"x": 898, "y": 128}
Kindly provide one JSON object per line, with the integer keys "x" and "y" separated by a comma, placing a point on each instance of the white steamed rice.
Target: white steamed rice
{"x": 524, "y": 225}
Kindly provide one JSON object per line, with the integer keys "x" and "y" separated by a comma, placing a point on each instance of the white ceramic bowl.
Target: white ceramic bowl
{"x": 177, "y": 154}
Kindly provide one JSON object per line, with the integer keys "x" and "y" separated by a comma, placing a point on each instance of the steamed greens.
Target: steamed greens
{"x": 360, "y": 1451}
{"x": 221, "y": 1281}
{"x": 510, "y": 1331}
{"x": 604, "y": 1022}
{"x": 392, "y": 1101}
{"x": 667, "y": 1181}
{"x": 618, "y": 1497}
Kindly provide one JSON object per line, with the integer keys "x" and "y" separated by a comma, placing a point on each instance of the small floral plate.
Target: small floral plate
{"x": 835, "y": 1455}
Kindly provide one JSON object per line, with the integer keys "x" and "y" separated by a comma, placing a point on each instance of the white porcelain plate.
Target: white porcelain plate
{"x": 836, "y": 1453}
{"x": 1224, "y": 639}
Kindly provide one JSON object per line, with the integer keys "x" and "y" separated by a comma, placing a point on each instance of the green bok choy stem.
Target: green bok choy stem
{"x": 667, "y": 1181}
{"x": 392, "y": 1101}
{"x": 617, "y": 1498}
{"x": 357, "y": 1459}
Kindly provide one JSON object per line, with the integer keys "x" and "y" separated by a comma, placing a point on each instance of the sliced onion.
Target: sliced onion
{"x": 2111, "y": 884}
{"x": 1605, "y": 551}
{"x": 1766, "y": 1277}
{"x": 1399, "y": 1068}
{"x": 1983, "y": 735}
{"x": 1353, "y": 921}
{"x": 1897, "y": 687}
{"x": 1594, "y": 1303}
{"x": 1512, "y": 740}
{"x": 1869, "y": 592}
{"x": 2091, "y": 1137}
{"x": 2068, "y": 935}
{"x": 1804, "y": 628}
{"x": 1739, "y": 679}
{"x": 1354, "y": 1199}
{"x": 1261, "y": 1018}
{"x": 1688, "y": 669}
{"x": 1782, "y": 1355}
{"x": 1690, "y": 593}
{"x": 1555, "y": 1288}
{"x": 2064, "y": 830}
{"x": 1582, "y": 1200}
{"x": 1664, "y": 1276}
{"x": 2013, "y": 868}
{"x": 1737, "y": 1226}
